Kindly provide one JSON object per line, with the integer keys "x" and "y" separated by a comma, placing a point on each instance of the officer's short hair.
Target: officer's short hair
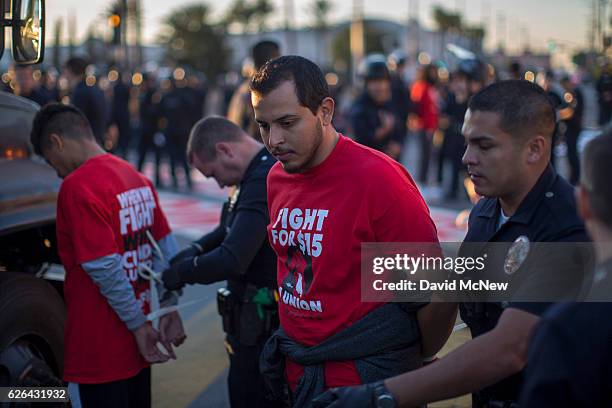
{"x": 207, "y": 132}
{"x": 311, "y": 88}
{"x": 63, "y": 120}
{"x": 524, "y": 107}
{"x": 595, "y": 176}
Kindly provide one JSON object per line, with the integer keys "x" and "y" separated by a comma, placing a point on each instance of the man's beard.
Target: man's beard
{"x": 307, "y": 163}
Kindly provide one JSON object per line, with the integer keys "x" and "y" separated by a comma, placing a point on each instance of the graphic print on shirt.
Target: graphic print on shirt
{"x": 301, "y": 232}
{"x": 136, "y": 217}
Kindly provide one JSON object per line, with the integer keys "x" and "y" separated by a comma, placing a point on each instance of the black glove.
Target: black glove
{"x": 187, "y": 253}
{"x": 358, "y": 396}
{"x": 173, "y": 276}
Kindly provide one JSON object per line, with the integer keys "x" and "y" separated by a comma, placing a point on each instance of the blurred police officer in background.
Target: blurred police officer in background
{"x": 28, "y": 87}
{"x": 89, "y": 99}
{"x": 237, "y": 251}
{"x": 176, "y": 111}
{"x": 508, "y": 130}
{"x": 240, "y": 110}
{"x": 374, "y": 118}
{"x": 150, "y": 97}
{"x": 570, "y": 358}
{"x": 400, "y": 88}
{"x": 573, "y": 125}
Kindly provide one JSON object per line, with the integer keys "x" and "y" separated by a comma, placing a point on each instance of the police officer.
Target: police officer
{"x": 374, "y": 119}
{"x": 237, "y": 251}
{"x": 508, "y": 130}
{"x": 240, "y": 109}
{"x": 570, "y": 358}
{"x": 89, "y": 99}
{"x": 176, "y": 111}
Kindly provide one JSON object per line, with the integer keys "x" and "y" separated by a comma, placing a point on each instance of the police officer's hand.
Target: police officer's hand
{"x": 172, "y": 276}
{"x": 171, "y": 330}
{"x": 359, "y": 396}
{"x": 187, "y": 253}
{"x": 146, "y": 339}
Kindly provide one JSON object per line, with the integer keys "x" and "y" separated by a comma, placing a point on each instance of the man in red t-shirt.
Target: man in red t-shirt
{"x": 105, "y": 213}
{"x": 326, "y": 196}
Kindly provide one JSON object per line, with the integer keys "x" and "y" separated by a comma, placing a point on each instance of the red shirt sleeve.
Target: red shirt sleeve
{"x": 88, "y": 223}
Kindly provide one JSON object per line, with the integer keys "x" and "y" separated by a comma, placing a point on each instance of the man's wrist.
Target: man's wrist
{"x": 382, "y": 396}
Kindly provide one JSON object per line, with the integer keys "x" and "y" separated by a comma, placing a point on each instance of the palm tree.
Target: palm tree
{"x": 191, "y": 40}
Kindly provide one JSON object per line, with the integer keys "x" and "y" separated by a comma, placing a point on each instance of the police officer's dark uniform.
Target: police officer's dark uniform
{"x": 365, "y": 114}
{"x": 547, "y": 214}
{"x": 238, "y": 251}
{"x": 176, "y": 108}
{"x": 91, "y": 101}
{"x": 570, "y": 356}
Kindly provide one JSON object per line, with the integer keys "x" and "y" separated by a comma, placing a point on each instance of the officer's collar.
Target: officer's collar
{"x": 259, "y": 157}
{"x": 528, "y": 206}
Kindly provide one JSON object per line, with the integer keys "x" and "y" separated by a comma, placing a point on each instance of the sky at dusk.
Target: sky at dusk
{"x": 519, "y": 21}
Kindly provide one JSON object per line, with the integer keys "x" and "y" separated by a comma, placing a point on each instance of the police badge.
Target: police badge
{"x": 516, "y": 254}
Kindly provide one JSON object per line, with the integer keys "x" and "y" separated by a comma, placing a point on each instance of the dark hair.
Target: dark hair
{"x": 264, "y": 51}
{"x": 77, "y": 66}
{"x": 63, "y": 120}
{"x": 310, "y": 85}
{"x": 207, "y": 132}
{"x": 596, "y": 170}
{"x": 524, "y": 107}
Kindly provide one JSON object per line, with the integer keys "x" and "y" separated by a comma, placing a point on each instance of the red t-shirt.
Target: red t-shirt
{"x": 104, "y": 207}
{"x": 318, "y": 220}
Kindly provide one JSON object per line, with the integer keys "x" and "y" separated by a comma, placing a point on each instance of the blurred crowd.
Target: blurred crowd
{"x": 389, "y": 107}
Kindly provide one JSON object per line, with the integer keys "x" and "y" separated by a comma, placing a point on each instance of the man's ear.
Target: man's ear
{"x": 225, "y": 148}
{"x": 583, "y": 203}
{"x": 57, "y": 141}
{"x": 536, "y": 149}
{"x": 327, "y": 111}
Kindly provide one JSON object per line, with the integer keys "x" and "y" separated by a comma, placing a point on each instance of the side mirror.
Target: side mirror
{"x": 28, "y": 26}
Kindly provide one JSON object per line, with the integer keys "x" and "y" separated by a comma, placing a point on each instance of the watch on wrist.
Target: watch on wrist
{"x": 382, "y": 397}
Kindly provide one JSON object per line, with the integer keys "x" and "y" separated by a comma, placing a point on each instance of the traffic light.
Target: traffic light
{"x": 114, "y": 21}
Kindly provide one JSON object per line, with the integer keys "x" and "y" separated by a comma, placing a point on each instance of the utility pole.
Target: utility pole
{"x": 357, "y": 39}
{"x": 71, "y": 33}
{"x": 413, "y": 30}
{"x": 290, "y": 37}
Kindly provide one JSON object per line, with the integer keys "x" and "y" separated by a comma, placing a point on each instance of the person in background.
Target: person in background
{"x": 573, "y": 125}
{"x": 28, "y": 87}
{"x": 88, "y": 98}
{"x": 425, "y": 99}
{"x": 374, "y": 119}
{"x": 240, "y": 110}
{"x": 150, "y": 96}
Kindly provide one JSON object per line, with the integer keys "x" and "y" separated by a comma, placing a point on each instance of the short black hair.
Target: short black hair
{"x": 207, "y": 132}
{"x": 310, "y": 85}
{"x": 63, "y": 120}
{"x": 595, "y": 176}
{"x": 264, "y": 51}
{"x": 77, "y": 66}
{"x": 524, "y": 107}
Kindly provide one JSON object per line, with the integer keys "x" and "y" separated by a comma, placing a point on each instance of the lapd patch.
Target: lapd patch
{"x": 516, "y": 254}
